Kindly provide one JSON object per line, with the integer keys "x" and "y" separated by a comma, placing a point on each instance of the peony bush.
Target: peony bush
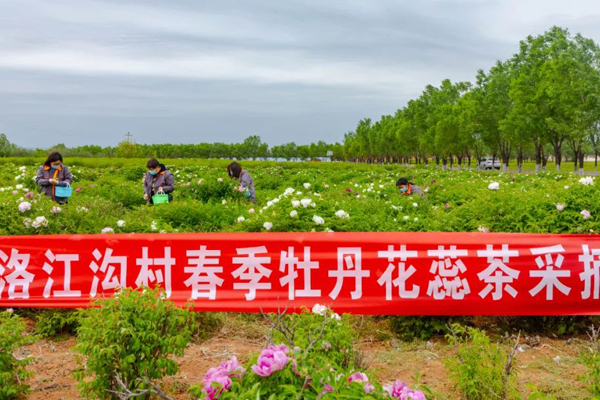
{"x": 314, "y": 358}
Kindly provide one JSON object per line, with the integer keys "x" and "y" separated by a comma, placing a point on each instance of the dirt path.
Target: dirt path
{"x": 551, "y": 365}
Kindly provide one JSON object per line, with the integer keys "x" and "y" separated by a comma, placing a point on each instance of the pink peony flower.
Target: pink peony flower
{"x": 586, "y": 214}
{"x": 395, "y": 389}
{"x": 271, "y": 359}
{"x": 15, "y": 191}
{"x": 358, "y": 377}
{"x": 217, "y": 380}
{"x": 79, "y": 189}
{"x": 327, "y": 389}
{"x": 29, "y": 195}
{"x": 399, "y": 390}
{"x": 233, "y": 366}
{"x": 446, "y": 206}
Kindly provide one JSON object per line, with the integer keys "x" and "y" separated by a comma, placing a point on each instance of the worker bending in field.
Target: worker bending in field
{"x": 235, "y": 171}
{"x": 158, "y": 180}
{"x": 408, "y": 188}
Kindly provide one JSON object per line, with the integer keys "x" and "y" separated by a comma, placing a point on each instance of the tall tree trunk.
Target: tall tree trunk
{"x": 544, "y": 159}
{"x": 538, "y": 157}
{"x": 520, "y": 159}
{"x": 557, "y": 154}
{"x": 581, "y": 157}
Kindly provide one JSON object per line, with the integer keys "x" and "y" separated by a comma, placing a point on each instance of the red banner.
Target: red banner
{"x": 363, "y": 273}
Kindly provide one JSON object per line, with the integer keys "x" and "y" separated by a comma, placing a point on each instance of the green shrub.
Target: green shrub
{"x": 481, "y": 370}
{"x": 206, "y": 324}
{"x": 53, "y": 322}
{"x": 12, "y": 369}
{"x": 420, "y": 328}
{"x": 133, "y": 335}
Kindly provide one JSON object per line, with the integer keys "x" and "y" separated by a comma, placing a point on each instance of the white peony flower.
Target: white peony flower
{"x": 241, "y": 219}
{"x": 120, "y": 223}
{"x": 560, "y": 206}
{"x": 494, "y": 186}
{"x": 336, "y": 317}
{"x": 319, "y": 309}
{"x": 342, "y": 214}
{"x": 224, "y": 202}
{"x": 305, "y": 202}
{"x": 154, "y": 226}
{"x": 483, "y": 229}
{"x": 318, "y": 220}
{"x": 415, "y": 204}
{"x": 294, "y": 214}
{"x": 251, "y": 211}
{"x": 56, "y": 210}
{"x": 587, "y": 181}
{"x": 566, "y": 188}
{"x": 27, "y": 222}
{"x": 19, "y": 187}
{"x": 220, "y": 180}
{"x": 24, "y": 206}
{"x": 306, "y": 185}
{"x": 268, "y": 226}
{"x": 406, "y": 218}
{"x": 289, "y": 191}
{"x": 108, "y": 230}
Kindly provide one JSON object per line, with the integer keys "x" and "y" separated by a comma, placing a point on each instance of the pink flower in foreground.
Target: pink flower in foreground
{"x": 271, "y": 359}
{"x": 217, "y": 380}
{"x": 358, "y": 377}
{"x": 399, "y": 390}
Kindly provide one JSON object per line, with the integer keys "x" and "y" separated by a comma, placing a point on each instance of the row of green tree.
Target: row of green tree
{"x": 545, "y": 99}
{"x": 251, "y": 148}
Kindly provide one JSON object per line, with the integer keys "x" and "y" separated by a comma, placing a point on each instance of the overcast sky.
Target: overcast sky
{"x": 188, "y": 71}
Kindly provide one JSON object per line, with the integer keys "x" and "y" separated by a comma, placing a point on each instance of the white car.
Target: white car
{"x": 489, "y": 163}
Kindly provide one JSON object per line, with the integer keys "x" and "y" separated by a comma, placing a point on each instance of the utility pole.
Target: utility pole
{"x": 128, "y": 137}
